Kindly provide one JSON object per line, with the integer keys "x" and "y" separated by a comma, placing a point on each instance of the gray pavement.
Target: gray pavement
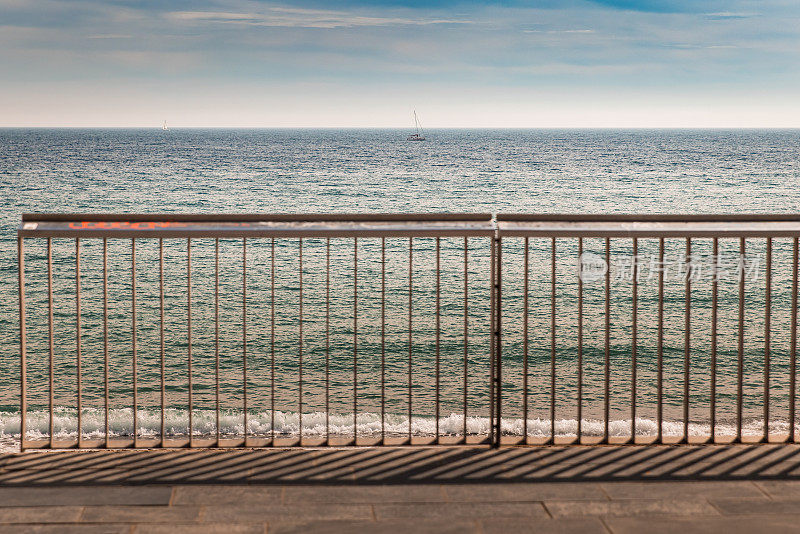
{"x": 616, "y": 489}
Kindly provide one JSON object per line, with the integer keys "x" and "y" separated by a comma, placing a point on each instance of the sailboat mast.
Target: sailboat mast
{"x": 418, "y": 135}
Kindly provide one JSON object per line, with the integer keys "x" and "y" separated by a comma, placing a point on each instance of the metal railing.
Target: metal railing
{"x": 410, "y": 329}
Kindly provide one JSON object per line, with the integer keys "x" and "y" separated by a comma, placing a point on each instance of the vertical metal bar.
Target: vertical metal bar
{"x": 189, "y": 333}
{"x": 607, "y": 345}
{"x": 383, "y": 340}
{"x": 105, "y": 340}
{"x": 634, "y": 331}
{"x": 466, "y": 331}
{"x": 498, "y": 340}
{"x": 525, "y": 321}
{"x": 162, "y": 352}
{"x": 438, "y": 328}
{"x": 244, "y": 340}
{"x": 216, "y": 338}
{"x": 740, "y": 363}
{"x": 687, "y": 340}
{"x": 492, "y": 340}
{"x": 50, "y": 341}
{"x": 660, "y": 344}
{"x": 134, "y": 335}
{"x": 355, "y": 340}
{"x": 410, "y": 335}
{"x": 553, "y": 340}
{"x": 767, "y": 320}
{"x": 300, "y": 344}
{"x": 272, "y": 351}
{"x": 793, "y": 344}
{"x": 78, "y": 337}
{"x": 714, "y": 299}
{"x": 327, "y": 339}
{"x": 23, "y": 360}
{"x": 580, "y": 340}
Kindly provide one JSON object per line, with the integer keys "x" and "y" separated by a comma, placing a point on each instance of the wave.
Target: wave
{"x": 287, "y": 423}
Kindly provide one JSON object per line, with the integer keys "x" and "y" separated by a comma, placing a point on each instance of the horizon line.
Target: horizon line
{"x": 329, "y": 127}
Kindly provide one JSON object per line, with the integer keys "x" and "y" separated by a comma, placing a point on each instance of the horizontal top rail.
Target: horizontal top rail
{"x": 648, "y": 217}
{"x": 255, "y": 225}
{"x": 712, "y": 227}
{"x": 252, "y": 217}
{"x": 407, "y": 225}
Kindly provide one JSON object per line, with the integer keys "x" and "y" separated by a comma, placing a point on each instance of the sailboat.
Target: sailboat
{"x": 418, "y": 135}
{"x": 164, "y": 127}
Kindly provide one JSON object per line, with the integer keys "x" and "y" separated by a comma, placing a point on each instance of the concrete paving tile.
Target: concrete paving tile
{"x": 704, "y": 525}
{"x": 591, "y": 525}
{"x": 203, "y": 528}
{"x": 85, "y": 496}
{"x": 752, "y": 506}
{"x": 682, "y": 489}
{"x": 380, "y": 527}
{"x": 67, "y": 528}
{"x": 198, "y": 477}
{"x": 279, "y": 467}
{"x": 96, "y": 460}
{"x": 445, "y": 464}
{"x": 643, "y": 460}
{"x": 172, "y": 468}
{"x": 671, "y": 460}
{"x": 780, "y": 488}
{"x": 264, "y": 466}
{"x": 499, "y": 465}
{"x": 220, "y": 471}
{"x": 562, "y": 465}
{"x": 754, "y": 466}
{"x": 458, "y": 510}
{"x": 219, "y": 495}
{"x": 524, "y": 491}
{"x": 349, "y": 458}
{"x": 64, "y": 476}
{"x": 235, "y": 466}
{"x": 48, "y": 459}
{"x": 140, "y": 514}
{"x": 630, "y": 508}
{"x": 289, "y": 512}
{"x": 419, "y": 464}
{"x": 40, "y": 514}
{"x": 364, "y": 494}
{"x": 97, "y": 476}
{"x": 153, "y": 460}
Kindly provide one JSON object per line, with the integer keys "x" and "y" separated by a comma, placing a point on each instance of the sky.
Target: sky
{"x": 355, "y": 63}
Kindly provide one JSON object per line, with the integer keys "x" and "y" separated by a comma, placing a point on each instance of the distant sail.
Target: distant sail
{"x": 164, "y": 127}
{"x": 418, "y": 136}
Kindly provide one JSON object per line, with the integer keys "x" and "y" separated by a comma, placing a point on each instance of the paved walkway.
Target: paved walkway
{"x": 733, "y": 488}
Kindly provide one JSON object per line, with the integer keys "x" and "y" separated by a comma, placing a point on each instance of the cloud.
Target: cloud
{"x": 304, "y": 18}
{"x": 663, "y": 6}
{"x": 557, "y": 31}
{"x": 728, "y": 15}
{"x": 109, "y": 36}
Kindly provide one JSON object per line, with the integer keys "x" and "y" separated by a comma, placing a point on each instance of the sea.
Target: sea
{"x": 371, "y": 171}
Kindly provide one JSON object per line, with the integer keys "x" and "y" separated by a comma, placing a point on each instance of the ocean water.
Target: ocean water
{"x": 580, "y": 171}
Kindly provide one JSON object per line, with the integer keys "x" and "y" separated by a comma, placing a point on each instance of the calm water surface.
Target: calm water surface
{"x": 585, "y": 171}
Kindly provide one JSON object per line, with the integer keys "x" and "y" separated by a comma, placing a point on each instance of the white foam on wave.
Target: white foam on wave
{"x": 314, "y": 424}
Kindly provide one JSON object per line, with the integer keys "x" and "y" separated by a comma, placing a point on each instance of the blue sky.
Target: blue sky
{"x": 460, "y": 63}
